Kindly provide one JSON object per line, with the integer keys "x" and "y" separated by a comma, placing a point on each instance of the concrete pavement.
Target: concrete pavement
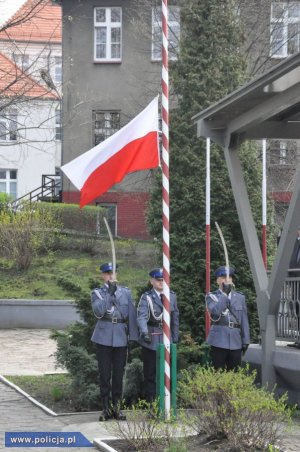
{"x": 30, "y": 352}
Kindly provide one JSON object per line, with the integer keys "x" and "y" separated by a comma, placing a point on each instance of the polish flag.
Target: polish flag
{"x": 132, "y": 148}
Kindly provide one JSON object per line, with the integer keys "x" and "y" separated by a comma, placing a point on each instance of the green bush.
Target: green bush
{"x": 26, "y": 233}
{"x": 83, "y": 369}
{"x": 133, "y": 381}
{"x": 86, "y": 220}
{"x": 229, "y": 405}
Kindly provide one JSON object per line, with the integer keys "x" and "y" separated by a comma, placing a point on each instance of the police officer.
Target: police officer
{"x": 114, "y": 308}
{"x": 150, "y": 318}
{"x": 229, "y": 335}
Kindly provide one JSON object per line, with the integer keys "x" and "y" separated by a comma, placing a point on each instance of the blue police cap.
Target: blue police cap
{"x": 107, "y": 267}
{"x": 224, "y": 271}
{"x": 156, "y": 273}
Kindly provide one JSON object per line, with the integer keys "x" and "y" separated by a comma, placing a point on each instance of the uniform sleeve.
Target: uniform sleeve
{"x": 143, "y": 314}
{"x": 175, "y": 321}
{"x": 132, "y": 321}
{"x": 216, "y": 304}
{"x": 100, "y": 302}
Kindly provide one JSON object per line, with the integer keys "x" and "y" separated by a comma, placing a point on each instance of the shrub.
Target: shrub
{"x": 25, "y": 233}
{"x": 86, "y": 220}
{"x": 133, "y": 381}
{"x": 228, "y": 404}
{"x": 83, "y": 368}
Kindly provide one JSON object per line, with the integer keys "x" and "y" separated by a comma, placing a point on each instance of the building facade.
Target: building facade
{"x": 30, "y": 85}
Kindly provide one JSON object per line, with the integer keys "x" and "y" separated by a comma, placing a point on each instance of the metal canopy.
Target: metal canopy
{"x": 267, "y": 107}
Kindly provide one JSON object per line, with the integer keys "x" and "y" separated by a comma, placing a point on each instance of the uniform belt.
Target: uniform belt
{"x": 113, "y": 320}
{"x": 157, "y": 324}
{"x": 229, "y": 324}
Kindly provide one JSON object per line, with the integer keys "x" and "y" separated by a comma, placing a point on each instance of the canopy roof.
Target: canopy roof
{"x": 267, "y": 107}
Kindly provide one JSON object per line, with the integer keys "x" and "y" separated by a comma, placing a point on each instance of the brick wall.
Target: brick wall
{"x": 131, "y": 210}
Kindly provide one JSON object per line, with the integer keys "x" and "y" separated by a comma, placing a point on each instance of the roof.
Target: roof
{"x": 14, "y": 82}
{"x": 36, "y": 21}
{"x": 267, "y": 107}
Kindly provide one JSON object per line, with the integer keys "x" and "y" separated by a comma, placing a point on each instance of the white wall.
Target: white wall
{"x": 8, "y": 8}
{"x": 36, "y": 152}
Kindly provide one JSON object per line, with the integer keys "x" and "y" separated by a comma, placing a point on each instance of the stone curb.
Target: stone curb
{"x": 102, "y": 446}
{"x": 23, "y": 393}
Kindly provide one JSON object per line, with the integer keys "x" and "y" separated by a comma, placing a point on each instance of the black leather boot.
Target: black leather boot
{"x": 106, "y": 413}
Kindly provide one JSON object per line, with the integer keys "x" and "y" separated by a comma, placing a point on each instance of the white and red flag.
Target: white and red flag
{"x": 133, "y": 148}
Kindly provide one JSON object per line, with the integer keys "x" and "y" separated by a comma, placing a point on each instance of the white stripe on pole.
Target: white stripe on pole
{"x": 207, "y": 232}
{"x": 207, "y": 195}
{"x": 264, "y": 201}
{"x": 165, "y": 206}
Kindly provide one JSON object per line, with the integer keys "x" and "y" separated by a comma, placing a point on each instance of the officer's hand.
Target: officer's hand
{"x": 226, "y": 288}
{"x": 112, "y": 287}
{"x": 244, "y": 348}
{"x": 147, "y": 338}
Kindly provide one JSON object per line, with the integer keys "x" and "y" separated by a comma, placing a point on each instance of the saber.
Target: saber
{"x": 113, "y": 250}
{"x": 224, "y": 248}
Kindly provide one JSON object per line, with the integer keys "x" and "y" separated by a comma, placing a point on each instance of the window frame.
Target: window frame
{"x": 106, "y": 120}
{"x": 58, "y": 124}
{"x": 108, "y": 25}
{"x": 8, "y": 181}
{"x": 283, "y": 23}
{"x": 157, "y": 25}
{"x": 108, "y": 205}
{"x": 9, "y": 120}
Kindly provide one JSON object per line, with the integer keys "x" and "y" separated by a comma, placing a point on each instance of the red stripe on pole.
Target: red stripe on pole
{"x": 165, "y": 197}
{"x": 207, "y": 281}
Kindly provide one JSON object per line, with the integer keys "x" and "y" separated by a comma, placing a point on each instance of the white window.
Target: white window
{"x": 106, "y": 123}
{"x": 57, "y": 70}
{"x": 285, "y": 27}
{"x": 110, "y": 215}
{"x": 283, "y": 153}
{"x": 21, "y": 60}
{"x": 58, "y": 129}
{"x": 8, "y": 182}
{"x": 8, "y": 126}
{"x": 173, "y": 32}
{"x": 107, "y": 34}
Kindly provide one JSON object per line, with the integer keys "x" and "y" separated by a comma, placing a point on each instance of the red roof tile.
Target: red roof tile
{"x": 14, "y": 82}
{"x": 40, "y": 21}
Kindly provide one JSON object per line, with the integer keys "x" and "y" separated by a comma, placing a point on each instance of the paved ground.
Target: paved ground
{"x": 30, "y": 352}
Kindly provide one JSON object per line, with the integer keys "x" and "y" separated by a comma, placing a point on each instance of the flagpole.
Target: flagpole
{"x": 264, "y": 202}
{"x": 207, "y": 223}
{"x": 165, "y": 202}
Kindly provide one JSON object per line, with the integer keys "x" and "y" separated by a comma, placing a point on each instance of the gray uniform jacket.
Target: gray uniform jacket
{"x": 107, "y": 308}
{"x": 221, "y": 334}
{"x": 144, "y": 316}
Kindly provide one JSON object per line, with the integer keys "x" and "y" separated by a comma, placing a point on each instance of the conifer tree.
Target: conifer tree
{"x": 208, "y": 67}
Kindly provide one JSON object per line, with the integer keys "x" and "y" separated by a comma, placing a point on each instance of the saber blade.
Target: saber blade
{"x": 113, "y": 250}
{"x": 224, "y": 248}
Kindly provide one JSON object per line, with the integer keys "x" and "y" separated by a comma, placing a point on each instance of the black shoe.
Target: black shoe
{"x": 119, "y": 416}
{"x": 295, "y": 345}
{"x": 105, "y": 415}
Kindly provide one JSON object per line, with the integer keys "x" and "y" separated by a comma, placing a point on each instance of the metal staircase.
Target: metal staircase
{"x": 49, "y": 191}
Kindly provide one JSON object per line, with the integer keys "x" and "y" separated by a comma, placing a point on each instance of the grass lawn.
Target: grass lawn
{"x": 54, "y": 391}
{"x": 41, "y": 280}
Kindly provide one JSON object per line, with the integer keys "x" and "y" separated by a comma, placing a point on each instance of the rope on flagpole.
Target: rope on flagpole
{"x": 165, "y": 201}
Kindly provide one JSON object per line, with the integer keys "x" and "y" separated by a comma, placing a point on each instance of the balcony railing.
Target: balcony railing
{"x": 288, "y": 318}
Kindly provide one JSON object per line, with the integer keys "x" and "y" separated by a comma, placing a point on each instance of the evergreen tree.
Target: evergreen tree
{"x": 209, "y": 66}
